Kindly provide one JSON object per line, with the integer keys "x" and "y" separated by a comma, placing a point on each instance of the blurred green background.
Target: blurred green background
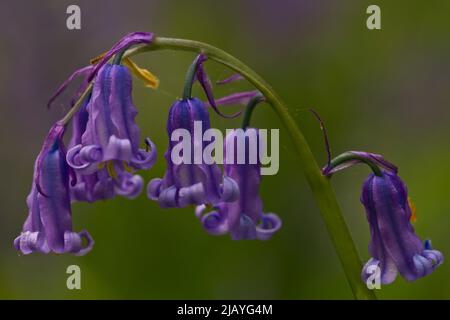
{"x": 383, "y": 91}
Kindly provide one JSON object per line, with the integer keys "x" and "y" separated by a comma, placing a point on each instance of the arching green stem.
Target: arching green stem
{"x": 189, "y": 79}
{"x": 349, "y": 156}
{"x": 77, "y": 105}
{"x": 319, "y": 184}
{"x": 249, "y": 110}
{"x": 118, "y": 57}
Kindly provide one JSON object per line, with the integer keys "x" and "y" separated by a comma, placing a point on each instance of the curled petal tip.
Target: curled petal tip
{"x": 270, "y": 223}
{"x": 153, "y": 189}
{"x": 199, "y": 210}
{"x": 214, "y": 223}
{"x": 128, "y": 185}
{"x": 168, "y": 198}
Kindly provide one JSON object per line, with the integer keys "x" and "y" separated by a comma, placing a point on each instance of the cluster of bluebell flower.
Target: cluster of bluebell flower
{"x": 106, "y": 150}
{"x": 104, "y": 155}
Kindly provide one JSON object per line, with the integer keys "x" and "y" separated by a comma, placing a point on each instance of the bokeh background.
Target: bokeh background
{"x": 382, "y": 91}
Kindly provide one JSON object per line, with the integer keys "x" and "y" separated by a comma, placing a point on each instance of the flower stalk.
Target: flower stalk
{"x": 64, "y": 121}
{"x": 249, "y": 110}
{"x": 320, "y": 185}
{"x": 350, "y": 156}
{"x": 190, "y": 78}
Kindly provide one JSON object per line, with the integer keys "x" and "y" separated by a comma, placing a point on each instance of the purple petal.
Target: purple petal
{"x": 118, "y": 149}
{"x": 234, "y": 77}
{"x": 388, "y": 273}
{"x": 194, "y": 194}
{"x": 187, "y": 175}
{"x": 123, "y": 111}
{"x": 92, "y": 187}
{"x": 55, "y": 209}
{"x": 85, "y": 71}
{"x": 435, "y": 256}
{"x": 153, "y": 189}
{"x": 145, "y": 159}
{"x": 129, "y": 185}
{"x": 73, "y": 242}
{"x": 241, "y": 98}
{"x": 168, "y": 197}
{"x": 214, "y": 222}
{"x": 84, "y": 159}
{"x": 55, "y": 135}
{"x": 204, "y": 81}
{"x": 29, "y": 242}
{"x": 79, "y": 123}
{"x": 270, "y": 223}
{"x": 103, "y": 188}
{"x": 230, "y": 190}
{"x": 199, "y": 210}
{"x": 246, "y": 229}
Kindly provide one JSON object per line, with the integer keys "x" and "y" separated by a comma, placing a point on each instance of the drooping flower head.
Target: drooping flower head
{"x": 48, "y": 227}
{"x": 191, "y": 181}
{"x": 186, "y": 180}
{"x": 394, "y": 246}
{"x": 110, "y": 141}
{"x": 104, "y": 147}
{"x": 244, "y": 218}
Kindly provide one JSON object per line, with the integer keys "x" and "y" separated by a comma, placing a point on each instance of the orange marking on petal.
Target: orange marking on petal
{"x": 413, "y": 209}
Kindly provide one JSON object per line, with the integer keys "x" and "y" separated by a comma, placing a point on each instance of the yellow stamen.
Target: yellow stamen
{"x": 127, "y": 167}
{"x": 101, "y": 165}
{"x": 413, "y": 208}
{"x": 97, "y": 58}
{"x": 111, "y": 171}
{"x": 149, "y": 78}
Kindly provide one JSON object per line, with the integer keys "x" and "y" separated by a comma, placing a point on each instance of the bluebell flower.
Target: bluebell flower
{"x": 244, "y": 218}
{"x": 110, "y": 140}
{"x": 48, "y": 227}
{"x": 190, "y": 183}
{"x": 394, "y": 246}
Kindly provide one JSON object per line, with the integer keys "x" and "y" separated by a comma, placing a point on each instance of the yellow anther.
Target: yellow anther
{"x": 413, "y": 209}
{"x": 149, "y": 78}
{"x": 97, "y": 58}
{"x": 101, "y": 165}
{"x": 127, "y": 167}
{"x": 111, "y": 170}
